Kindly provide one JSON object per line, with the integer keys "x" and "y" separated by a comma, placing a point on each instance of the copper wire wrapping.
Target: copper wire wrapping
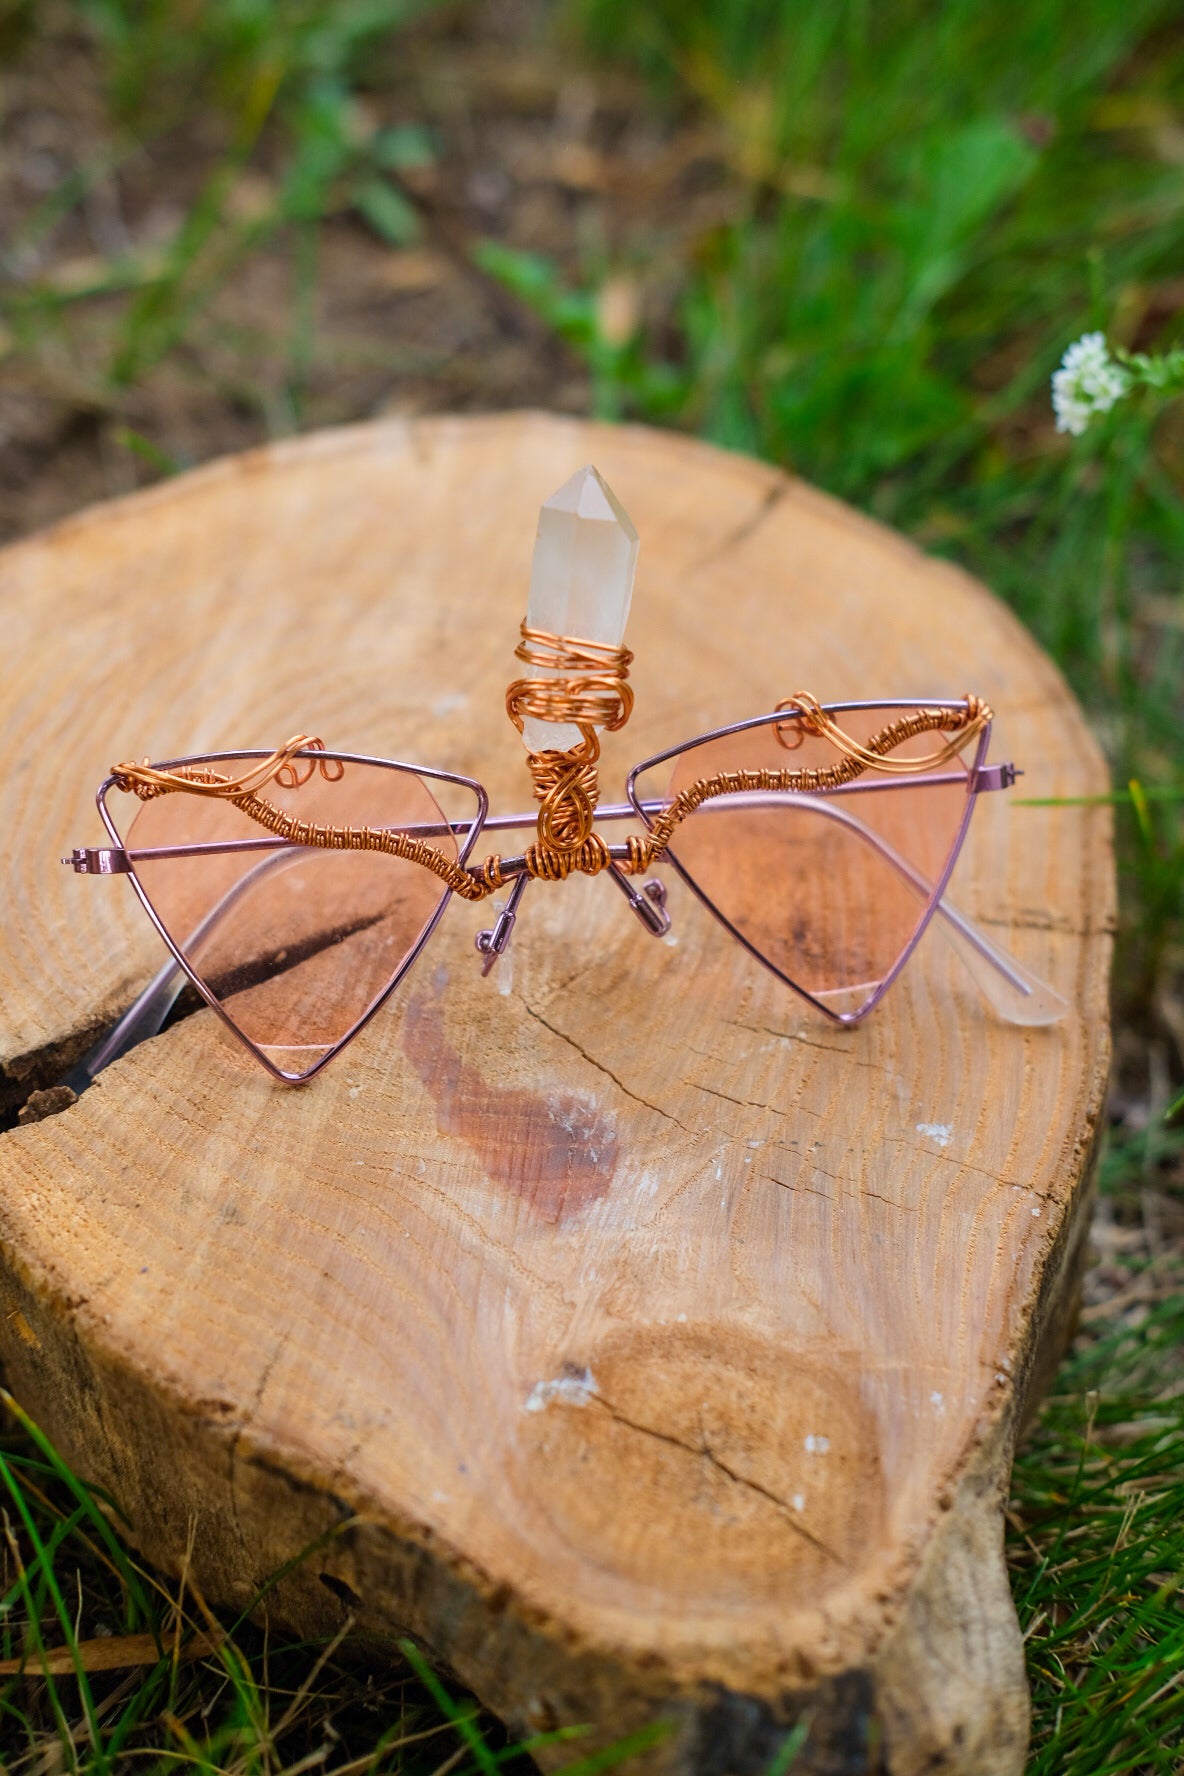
{"x": 548, "y": 864}
{"x": 147, "y": 783}
{"x": 565, "y": 783}
{"x": 962, "y": 724}
{"x": 815, "y": 720}
{"x": 567, "y": 786}
{"x": 591, "y": 689}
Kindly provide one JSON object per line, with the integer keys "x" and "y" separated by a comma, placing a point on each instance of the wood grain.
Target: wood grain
{"x": 645, "y": 1347}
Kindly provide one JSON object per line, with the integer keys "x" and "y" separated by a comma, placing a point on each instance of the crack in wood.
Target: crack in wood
{"x": 601, "y": 1068}
{"x": 704, "y": 1451}
{"x": 851, "y": 1185}
{"x": 712, "y": 1092}
{"x": 747, "y": 527}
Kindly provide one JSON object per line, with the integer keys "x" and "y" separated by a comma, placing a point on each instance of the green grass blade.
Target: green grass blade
{"x": 65, "y": 1620}
{"x": 140, "y": 1610}
{"x": 462, "y": 1715}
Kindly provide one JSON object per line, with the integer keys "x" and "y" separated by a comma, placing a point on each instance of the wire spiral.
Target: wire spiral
{"x": 565, "y": 782}
{"x": 281, "y": 766}
{"x": 962, "y": 724}
{"x": 590, "y": 687}
{"x": 567, "y": 786}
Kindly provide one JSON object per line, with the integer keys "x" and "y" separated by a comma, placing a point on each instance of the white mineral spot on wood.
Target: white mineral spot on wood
{"x": 941, "y": 1132}
{"x": 573, "y": 1390}
{"x": 798, "y": 1502}
{"x": 581, "y": 579}
{"x": 816, "y": 1445}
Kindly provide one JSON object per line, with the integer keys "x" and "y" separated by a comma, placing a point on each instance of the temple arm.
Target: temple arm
{"x": 1013, "y": 991}
{"x": 147, "y": 1014}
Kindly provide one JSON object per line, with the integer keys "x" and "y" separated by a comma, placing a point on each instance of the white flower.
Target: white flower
{"x": 1088, "y": 382}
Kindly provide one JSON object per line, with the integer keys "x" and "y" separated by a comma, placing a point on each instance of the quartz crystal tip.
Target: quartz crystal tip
{"x": 581, "y": 579}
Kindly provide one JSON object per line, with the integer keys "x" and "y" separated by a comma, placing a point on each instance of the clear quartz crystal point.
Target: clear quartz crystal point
{"x": 581, "y": 579}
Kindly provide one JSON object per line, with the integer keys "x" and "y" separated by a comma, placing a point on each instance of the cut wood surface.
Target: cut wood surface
{"x": 644, "y": 1346}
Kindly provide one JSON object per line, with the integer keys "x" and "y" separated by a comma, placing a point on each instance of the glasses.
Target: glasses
{"x": 295, "y": 890}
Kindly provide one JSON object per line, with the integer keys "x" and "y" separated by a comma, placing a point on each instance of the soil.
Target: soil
{"x": 531, "y": 151}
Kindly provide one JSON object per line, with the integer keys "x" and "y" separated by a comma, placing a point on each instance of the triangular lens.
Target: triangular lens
{"x": 830, "y": 889}
{"x": 295, "y": 944}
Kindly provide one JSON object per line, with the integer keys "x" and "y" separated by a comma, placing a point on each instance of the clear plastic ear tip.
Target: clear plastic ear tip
{"x": 1014, "y": 993}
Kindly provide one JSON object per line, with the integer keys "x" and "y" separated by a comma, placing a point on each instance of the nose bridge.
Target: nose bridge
{"x": 494, "y": 941}
{"x": 648, "y": 903}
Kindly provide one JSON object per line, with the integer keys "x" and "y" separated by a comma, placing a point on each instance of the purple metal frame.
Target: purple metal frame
{"x": 647, "y": 903}
{"x": 345, "y": 758}
{"x": 974, "y": 787}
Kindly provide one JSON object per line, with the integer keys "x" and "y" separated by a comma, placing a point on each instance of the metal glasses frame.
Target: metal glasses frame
{"x": 148, "y": 1013}
{"x": 971, "y": 776}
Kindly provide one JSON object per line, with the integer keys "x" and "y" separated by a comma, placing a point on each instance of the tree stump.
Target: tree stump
{"x": 642, "y": 1346}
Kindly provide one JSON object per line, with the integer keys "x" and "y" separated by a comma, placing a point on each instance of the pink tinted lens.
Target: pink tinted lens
{"x": 828, "y": 888}
{"x": 296, "y": 943}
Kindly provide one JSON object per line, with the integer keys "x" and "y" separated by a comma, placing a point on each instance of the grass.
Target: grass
{"x": 266, "y": 82}
{"x": 1096, "y": 1522}
{"x": 927, "y": 208}
{"x": 146, "y": 1677}
{"x": 1096, "y": 1556}
{"x": 883, "y": 226}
